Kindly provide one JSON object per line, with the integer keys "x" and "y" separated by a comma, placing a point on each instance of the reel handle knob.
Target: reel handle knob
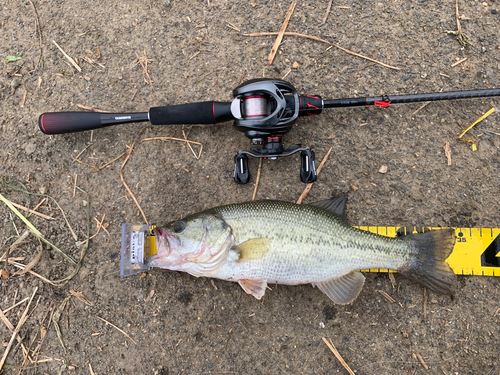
{"x": 241, "y": 172}
{"x": 307, "y": 168}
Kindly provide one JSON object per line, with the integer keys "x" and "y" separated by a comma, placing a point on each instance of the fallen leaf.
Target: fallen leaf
{"x": 5, "y": 274}
{"x": 11, "y": 58}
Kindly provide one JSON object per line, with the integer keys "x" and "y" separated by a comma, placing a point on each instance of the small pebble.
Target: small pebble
{"x": 494, "y": 11}
{"x": 383, "y": 169}
{"x": 16, "y": 82}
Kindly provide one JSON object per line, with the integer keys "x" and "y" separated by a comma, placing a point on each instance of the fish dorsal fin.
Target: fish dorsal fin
{"x": 335, "y": 206}
{"x": 256, "y": 288}
{"x": 253, "y": 249}
{"x": 344, "y": 289}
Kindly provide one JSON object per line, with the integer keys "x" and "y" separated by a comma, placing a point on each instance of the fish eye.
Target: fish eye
{"x": 179, "y": 226}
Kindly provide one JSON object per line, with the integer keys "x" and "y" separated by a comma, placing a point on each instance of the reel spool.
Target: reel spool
{"x": 265, "y": 110}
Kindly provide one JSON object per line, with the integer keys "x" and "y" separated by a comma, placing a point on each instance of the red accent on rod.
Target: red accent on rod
{"x": 382, "y": 104}
{"x": 312, "y": 106}
{"x": 41, "y": 123}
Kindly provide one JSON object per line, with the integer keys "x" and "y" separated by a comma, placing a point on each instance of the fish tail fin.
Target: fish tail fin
{"x": 428, "y": 265}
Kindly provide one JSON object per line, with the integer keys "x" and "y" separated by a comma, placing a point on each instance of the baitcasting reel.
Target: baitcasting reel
{"x": 265, "y": 110}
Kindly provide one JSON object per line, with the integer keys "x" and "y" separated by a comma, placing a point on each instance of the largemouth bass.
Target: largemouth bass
{"x": 268, "y": 242}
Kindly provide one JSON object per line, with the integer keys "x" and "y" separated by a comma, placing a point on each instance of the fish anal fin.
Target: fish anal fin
{"x": 256, "y": 288}
{"x": 343, "y": 290}
{"x": 253, "y": 249}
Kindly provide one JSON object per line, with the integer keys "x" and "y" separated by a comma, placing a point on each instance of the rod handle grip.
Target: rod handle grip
{"x": 191, "y": 113}
{"x": 69, "y": 122}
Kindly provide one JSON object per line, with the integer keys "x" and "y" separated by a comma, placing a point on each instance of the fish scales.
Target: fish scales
{"x": 307, "y": 244}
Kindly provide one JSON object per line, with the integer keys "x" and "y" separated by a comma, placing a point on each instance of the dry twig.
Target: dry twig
{"x": 125, "y": 184}
{"x": 386, "y": 296}
{"x": 111, "y": 162}
{"x": 279, "y": 38}
{"x": 257, "y": 180}
{"x": 33, "y": 262}
{"x": 419, "y": 357}
{"x": 11, "y": 327}
{"x": 39, "y": 31}
{"x": 191, "y": 148}
{"x": 458, "y": 62}
{"x": 22, "y": 267}
{"x": 425, "y": 303}
{"x": 326, "y": 42}
{"x": 462, "y": 38}
{"x": 24, "y": 99}
{"x": 69, "y": 58}
{"x": 337, "y": 354}
{"x": 37, "y": 206}
{"x": 32, "y": 211}
{"x": 447, "y": 152}
{"x": 474, "y": 148}
{"x": 17, "y": 329}
{"x": 81, "y": 152}
{"x": 115, "y": 327}
{"x": 87, "y": 108}
{"x": 327, "y": 12}
{"x": 143, "y": 61}
{"x": 81, "y": 297}
{"x": 194, "y": 55}
{"x": 231, "y": 26}
{"x": 177, "y": 139}
{"x": 55, "y": 320}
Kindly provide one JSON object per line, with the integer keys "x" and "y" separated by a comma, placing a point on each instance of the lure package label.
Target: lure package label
{"x": 138, "y": 243}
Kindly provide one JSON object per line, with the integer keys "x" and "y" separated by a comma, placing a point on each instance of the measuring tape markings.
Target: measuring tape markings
{"x": 476, "y": 251}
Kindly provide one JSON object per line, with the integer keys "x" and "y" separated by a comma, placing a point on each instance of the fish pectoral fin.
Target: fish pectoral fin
{"x": 253, "y": 249}
{"x": 256, "y": 288}
{"x": 344, "y": 289}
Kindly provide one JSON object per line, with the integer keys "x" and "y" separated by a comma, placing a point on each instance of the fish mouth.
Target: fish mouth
{"x": 163, "y": 247}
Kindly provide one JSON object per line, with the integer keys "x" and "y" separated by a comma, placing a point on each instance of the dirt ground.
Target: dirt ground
{"x": 173, "y": 323}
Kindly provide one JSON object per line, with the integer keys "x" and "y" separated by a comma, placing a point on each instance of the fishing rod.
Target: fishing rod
{"x": 264, "y": 109}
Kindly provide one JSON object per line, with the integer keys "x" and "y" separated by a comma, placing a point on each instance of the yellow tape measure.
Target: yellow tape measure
{"x": 476, "y": 251}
